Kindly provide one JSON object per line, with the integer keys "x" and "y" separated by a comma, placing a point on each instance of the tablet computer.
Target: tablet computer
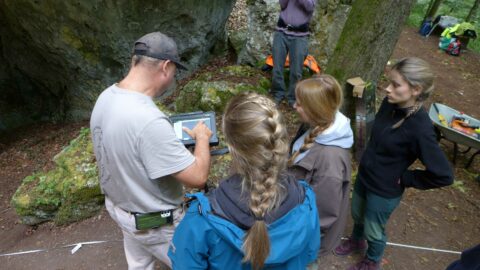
{"x": 190, "y": 120}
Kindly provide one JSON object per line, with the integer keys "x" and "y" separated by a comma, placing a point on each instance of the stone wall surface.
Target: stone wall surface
{"x": 57, "y": 56}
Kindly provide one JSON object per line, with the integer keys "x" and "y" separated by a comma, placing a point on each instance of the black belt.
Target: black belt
{"x": 303, "y": 28}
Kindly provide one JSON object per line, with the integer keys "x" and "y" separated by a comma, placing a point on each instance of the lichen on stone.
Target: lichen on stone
{"x": 211, "y": 91}
{"x": 61, "y": 194}
{"x": 220, "y": 169}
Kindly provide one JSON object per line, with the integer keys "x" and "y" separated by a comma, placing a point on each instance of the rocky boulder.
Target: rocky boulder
{"x": 327, "y": 25}
{"x": 69, "y": 192}
{"x": 211, "y": 91}
{"x": 57, "y": 56}
{"x": 261, "y": 18}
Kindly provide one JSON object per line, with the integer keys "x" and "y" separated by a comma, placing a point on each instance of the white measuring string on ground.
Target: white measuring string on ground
{"x": 418, "y": 247}
{"x": 77, "y": 246}
{"x": 424, "y": 248}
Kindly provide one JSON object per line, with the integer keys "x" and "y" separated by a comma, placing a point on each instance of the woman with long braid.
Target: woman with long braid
{"x": 402, "y": 132}
{"x": 260, "y": 217}
{"x": 321, "y": 154}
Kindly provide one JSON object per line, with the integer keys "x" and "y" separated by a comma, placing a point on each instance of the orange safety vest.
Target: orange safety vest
{"x": 309, "y": 62}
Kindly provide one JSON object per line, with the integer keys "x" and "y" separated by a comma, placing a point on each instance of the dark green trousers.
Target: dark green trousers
{"x": 370, "y": 214}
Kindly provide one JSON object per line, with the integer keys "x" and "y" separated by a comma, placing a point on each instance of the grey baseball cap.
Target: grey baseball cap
{"x": 159, "y": 46}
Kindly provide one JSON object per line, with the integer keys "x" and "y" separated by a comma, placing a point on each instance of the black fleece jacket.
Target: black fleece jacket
{"x": 384, "y": 165}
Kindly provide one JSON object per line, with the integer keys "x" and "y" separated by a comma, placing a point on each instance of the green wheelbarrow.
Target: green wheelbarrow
{"x": 444, "y": 131}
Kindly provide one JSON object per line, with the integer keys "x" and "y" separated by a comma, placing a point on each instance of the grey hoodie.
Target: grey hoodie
{"x": 338, "y": 134}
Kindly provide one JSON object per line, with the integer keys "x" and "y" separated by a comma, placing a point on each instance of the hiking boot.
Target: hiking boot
{"x": 365, "y": 264}
{"x": 350, "y": 246}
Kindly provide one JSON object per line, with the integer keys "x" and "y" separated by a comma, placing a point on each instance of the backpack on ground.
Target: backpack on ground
{"x": 444, "y": 43}
{"x": 426, "y": 27}
{"x": 309, "y": 63}
{"x": 454, "y": 47}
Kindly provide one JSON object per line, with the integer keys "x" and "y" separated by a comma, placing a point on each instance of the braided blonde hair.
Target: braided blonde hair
{"x": 417, "y": 73}
{"x": 320, "y": 98}
{"x": 257, "y": 137}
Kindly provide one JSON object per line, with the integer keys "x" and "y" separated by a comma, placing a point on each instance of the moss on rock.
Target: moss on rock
{"x": 212, "y": 90}
{"x": 69, "y": 191}
{"x": 219, "y": 170}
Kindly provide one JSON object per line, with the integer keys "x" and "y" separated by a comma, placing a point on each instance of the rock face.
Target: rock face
{"x": 57, "y": 56}
{"x": 262, "y": 16}
{"x": 69, "y": 192}
{"x": 252, "y": 41}
{"x": 327, "y": 25}
{"x": 212, "y": 90}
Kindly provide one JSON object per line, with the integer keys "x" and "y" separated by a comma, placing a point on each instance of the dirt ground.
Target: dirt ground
{"x": 444, "y": 219}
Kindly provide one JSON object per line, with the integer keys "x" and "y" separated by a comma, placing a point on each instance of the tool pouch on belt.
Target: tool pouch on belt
{"x": 153, "y": 220}
{"x": 294, "y": 28}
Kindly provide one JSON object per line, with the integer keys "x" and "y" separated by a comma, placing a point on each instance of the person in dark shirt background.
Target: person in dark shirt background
{"x": 290, "y": 37}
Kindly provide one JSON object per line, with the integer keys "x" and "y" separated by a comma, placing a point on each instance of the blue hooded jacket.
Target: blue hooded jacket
{"x": 206, "y": 241}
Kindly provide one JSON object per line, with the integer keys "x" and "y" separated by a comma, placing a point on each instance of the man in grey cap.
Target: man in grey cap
{"x": 142, "y": 163}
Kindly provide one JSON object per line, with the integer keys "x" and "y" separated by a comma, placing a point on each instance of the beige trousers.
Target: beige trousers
{"x": 142, "y": 247}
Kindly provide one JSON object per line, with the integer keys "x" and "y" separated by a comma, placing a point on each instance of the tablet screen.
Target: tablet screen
{"x": 190, "y": 124}
{"x": 190, "y": 120}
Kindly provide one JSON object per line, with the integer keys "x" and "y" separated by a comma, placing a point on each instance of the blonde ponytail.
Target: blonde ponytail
{"x": 411, "y": 111}
{"x": 257, "y": 245}
{"x": 307, "y": 143}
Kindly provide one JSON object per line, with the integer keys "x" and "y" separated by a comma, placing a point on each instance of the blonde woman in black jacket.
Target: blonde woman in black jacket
{"x": 401, "y": 134}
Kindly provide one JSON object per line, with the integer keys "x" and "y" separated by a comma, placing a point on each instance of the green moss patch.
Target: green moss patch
{"x": 212, "y": 90}
{"x": 67, "y": 193}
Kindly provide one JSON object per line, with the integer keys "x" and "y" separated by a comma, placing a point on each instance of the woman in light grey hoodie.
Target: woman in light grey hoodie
{"x": 321, "y": 154}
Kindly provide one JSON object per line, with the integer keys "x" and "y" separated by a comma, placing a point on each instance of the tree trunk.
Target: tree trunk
{"x": 432, "y": 11}
{"x": 367, "y": 42}
{"x": 473, "y": 11}
{"x": 430, "y": 5}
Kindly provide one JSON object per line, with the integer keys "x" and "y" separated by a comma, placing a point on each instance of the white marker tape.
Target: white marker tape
{"x": 424, "y": 248}
{"x": 76, "y": 248}
{"x": 89, "y": 243}
{"x": 417, "y": 247}
{"x": 22, "y": 252}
